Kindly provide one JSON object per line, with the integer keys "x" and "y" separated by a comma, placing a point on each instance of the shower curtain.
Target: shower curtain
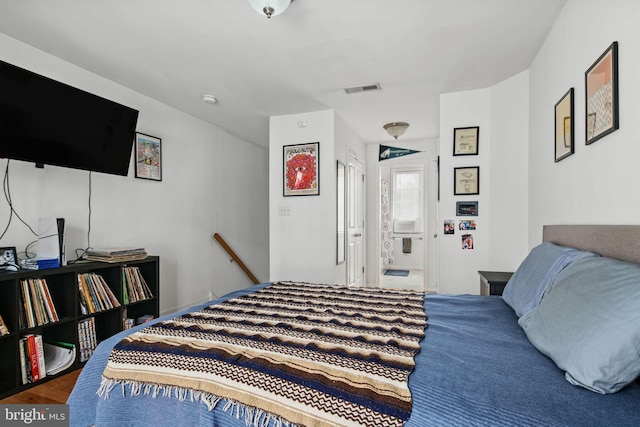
{"x": 387, "y": 240}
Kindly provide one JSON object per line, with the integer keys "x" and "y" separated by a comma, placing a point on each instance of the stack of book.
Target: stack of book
{"x": 134, "y": 287}
{"x": 87, "y": 338}
{"x": 37, "y": 305}
{"x": 95, "y": 294}
{"x": 32, "y": 365}
{"x": 116, "y": 254}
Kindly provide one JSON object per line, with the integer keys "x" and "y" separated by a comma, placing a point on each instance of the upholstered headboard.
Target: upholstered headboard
{"x": 614, "y": 241}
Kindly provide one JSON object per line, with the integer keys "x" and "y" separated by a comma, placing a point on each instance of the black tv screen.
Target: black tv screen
{"x": 49, "y": 122}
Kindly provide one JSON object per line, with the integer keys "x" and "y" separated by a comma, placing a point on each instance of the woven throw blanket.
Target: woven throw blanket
{"x": 292, "y": 353}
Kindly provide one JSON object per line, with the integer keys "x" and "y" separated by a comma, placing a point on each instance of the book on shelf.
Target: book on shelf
{"x": 37, "y": 306}
{"x": 135, "y": 288}
{"x": 32, "y": 358}
{"x": 3, "y": 327}
{"x": 119, "y": 254}
{"x": 58, "y": 356}
{"x": 95, "y": 294}
{"x": 87, "y": 338}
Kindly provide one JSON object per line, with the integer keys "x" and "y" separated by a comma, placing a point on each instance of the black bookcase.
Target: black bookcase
{"x": 63, "y": 288}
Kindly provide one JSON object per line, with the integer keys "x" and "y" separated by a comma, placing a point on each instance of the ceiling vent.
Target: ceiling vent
{"x": 363, "y": 88}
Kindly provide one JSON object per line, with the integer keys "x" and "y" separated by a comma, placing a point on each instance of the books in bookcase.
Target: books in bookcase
{"x": 134, "y": 288}
{"x": 95, "y": 294}
{"x": 32, "y": 358}
{"x": 87, "y": 338}
{"x": 37, "y": 307}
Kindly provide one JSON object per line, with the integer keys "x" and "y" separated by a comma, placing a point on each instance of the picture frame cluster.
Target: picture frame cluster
{"x": 601, "y": 105}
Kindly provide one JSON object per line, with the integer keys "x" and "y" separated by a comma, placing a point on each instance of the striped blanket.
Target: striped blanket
{"x": 290, "y": 353}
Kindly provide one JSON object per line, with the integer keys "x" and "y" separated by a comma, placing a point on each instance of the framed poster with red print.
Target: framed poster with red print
{"x": 301, "y": 169}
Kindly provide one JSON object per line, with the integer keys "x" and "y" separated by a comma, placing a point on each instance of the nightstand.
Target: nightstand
{"x": 493, "y": 282}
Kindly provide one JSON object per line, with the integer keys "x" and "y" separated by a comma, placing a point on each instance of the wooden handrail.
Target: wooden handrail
{"x": 235, "y": 258}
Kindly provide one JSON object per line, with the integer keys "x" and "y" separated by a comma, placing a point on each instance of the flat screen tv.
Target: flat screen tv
{"x": 48, "y": 122}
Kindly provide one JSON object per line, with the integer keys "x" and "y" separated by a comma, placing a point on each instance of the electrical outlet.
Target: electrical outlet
{"x": 285, "y": 210}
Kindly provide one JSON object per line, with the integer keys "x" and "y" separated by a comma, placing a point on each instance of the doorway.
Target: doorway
{"x": 407, "y": 221}
{"x": 402, "y": 220}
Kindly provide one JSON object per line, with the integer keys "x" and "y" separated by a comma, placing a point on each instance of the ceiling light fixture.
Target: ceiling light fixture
{"x": 395, "y": 129}
{"x": 270, "y": 8}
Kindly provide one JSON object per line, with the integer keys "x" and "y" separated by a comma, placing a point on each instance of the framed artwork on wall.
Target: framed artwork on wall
{"x": 564, "y": 141}
{"x": 301, "y": 169}
{"x": 601, "y": 103}
{"x": 148, "y": 157}
{"x": 465, "y": 141}
{"x": 467, "y": 208}
{"x": 466, "y": 180}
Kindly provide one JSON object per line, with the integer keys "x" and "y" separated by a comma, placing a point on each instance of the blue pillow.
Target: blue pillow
{"x": 527, "y": 285}
{"x": 589, "y": 323}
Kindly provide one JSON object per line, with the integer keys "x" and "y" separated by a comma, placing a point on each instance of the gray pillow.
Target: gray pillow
{"x": 588, "y": 323}
{"x": 527, "y": 285}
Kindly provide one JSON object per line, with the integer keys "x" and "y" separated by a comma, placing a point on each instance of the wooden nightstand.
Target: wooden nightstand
{"x": 493, "y": 282}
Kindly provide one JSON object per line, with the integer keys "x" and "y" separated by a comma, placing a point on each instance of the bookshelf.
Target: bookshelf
{"x": 63, "y": 288}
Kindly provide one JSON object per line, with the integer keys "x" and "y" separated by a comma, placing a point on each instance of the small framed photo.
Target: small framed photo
{"x": 564, "y": 142}
{"x": 8, "y": 256}
{"x": 467, "y": 208}
{"x": 449, "y": 226}
{"x": 601, "y": 109}
{"x": 301, "y": 169}
{"x": 148, "y": 157}
{"x": 466, "y": 180}
{"x": 465, "y": 141}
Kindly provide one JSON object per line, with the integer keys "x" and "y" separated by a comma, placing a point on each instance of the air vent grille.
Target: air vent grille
{"x": 363, "y": 88}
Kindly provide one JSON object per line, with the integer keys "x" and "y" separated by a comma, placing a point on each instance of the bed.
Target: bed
{"x": 483, "y": 360}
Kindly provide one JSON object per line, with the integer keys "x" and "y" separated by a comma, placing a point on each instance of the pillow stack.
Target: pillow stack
{"x": 582, "y": 311}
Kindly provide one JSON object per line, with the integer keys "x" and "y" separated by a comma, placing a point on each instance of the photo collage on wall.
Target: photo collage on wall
{"x": 464, "y": 226}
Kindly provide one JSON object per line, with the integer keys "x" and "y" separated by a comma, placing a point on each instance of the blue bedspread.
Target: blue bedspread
{"x": 476, "y": 368}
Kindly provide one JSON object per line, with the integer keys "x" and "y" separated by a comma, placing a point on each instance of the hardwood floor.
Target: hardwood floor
{"x": 54, "y": 391}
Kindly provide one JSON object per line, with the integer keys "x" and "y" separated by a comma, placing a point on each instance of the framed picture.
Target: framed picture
{"x": 466, "y": 180}
{"x": 465, "y": 141}
{"x": 601, "y": 106}
{"x": 8, "y": 256}
{"x": 467, "y": 208}
{"x": 148, "y": 157}
{"x": 564, "y": 142}
{"x": 301, "y": 167}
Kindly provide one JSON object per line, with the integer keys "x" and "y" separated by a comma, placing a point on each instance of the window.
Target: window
{"x": 408, "y": 204}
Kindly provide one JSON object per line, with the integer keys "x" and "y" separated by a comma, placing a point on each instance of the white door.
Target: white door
{"x": 355, "y": 222}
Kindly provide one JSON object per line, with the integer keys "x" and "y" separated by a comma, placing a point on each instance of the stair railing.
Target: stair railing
{"x": 235, "y": 258}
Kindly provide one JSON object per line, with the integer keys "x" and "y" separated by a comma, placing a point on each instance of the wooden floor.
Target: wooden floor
{"x": 54, "y": 391}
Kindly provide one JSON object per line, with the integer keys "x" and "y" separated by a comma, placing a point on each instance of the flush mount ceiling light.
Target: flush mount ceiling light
{"x": 270, "y": 8}
{"x": 396, "y": 129}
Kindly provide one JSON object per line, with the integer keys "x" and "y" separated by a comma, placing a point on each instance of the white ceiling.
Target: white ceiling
{"x": 296, "y": 62}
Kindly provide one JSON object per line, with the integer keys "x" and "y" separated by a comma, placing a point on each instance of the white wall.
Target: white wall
{"x": 597, "y": 184}
{"x": 458, "y": 268}
{"x": 211, "y": 182}
{"x": 500, "y": 241}
{"x": 303, "y": 244}
{"x": 508, "y": 174}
